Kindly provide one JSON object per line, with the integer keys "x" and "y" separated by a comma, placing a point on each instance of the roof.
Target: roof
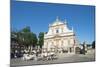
{"x": 58, "y": 22}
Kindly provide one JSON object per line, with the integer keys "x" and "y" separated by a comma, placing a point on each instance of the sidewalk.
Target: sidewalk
{"x": 62, "y": 55}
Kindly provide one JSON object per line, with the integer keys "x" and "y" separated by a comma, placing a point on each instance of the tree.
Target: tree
{"x": 26, "y": 29}
{"x": 29, "y": 38}
{"x": 26, "y": 37}
{"x": 93, "y": 44}
{"x": 33, "y": 39}
{"x": 19, "y": 38}
{"x": 41, "y": 39}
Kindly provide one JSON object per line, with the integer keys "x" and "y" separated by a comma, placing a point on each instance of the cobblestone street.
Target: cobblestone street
{"x": 62, "y": 58}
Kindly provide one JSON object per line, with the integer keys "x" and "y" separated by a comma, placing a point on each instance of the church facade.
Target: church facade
{"x": 60, "y": 38}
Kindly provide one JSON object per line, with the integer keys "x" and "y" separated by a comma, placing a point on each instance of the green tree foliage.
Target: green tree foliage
{"x": 29, "y": 37}
{"x": 41, "y": 39}
{"x": 33, "y": 39}
{"x": 25, "y": 37}
{"x": 26, "y": 29}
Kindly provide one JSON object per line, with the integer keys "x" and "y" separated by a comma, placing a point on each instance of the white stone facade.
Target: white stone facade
{"x": 60, "y": 37}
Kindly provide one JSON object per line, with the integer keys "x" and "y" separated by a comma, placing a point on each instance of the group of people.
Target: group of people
{"x": 39, "y": 55}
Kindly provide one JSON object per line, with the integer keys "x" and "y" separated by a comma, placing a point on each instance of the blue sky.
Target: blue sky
{"x": 39, "y": 15}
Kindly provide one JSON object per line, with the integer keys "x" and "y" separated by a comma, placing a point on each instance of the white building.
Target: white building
{"x": 60, "y": 37}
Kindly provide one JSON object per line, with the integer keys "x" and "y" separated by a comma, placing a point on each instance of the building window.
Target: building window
{"x": 62, "y": 29}
{"x": 52, "y": 31}
{"x": 47, "y": 44}
{"x": 68, "y": 42}
{"x": 52, "y": 43}
{"x": 57, "y": 31}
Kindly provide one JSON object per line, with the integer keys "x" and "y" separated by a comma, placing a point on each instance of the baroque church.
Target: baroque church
{"x": 60, "y": 38}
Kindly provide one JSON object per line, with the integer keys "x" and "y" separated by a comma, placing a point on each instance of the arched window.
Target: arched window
{"x": 57, "y": 31}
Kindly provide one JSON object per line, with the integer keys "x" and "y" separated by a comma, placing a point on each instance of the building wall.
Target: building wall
{"x": 62, "y": 42}
{"x": 59, "y": 36}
